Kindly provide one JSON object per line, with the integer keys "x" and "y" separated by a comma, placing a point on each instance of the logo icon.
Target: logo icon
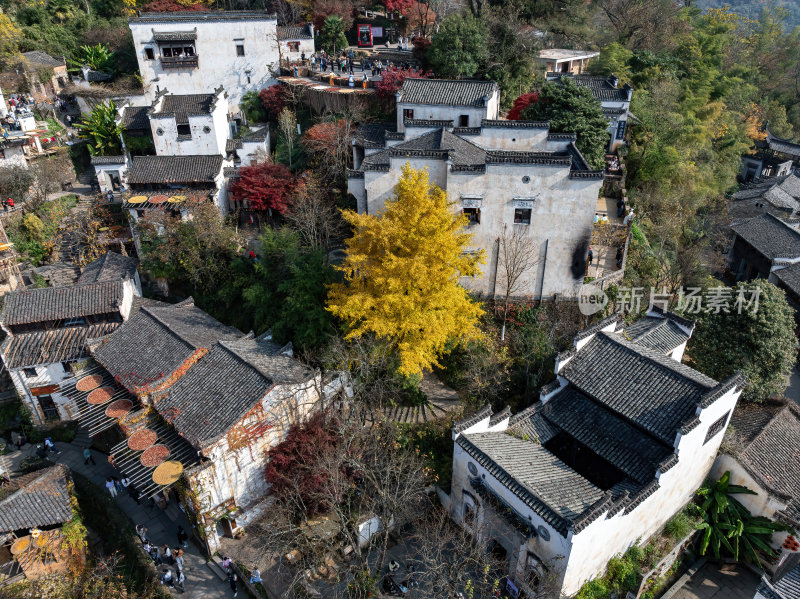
{"x": 591, "y": 299}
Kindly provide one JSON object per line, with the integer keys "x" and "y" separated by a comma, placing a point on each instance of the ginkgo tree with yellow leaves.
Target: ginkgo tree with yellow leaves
{"x": 401, "y": 275}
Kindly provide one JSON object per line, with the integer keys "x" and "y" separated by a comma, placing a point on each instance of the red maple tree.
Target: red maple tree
{"x": 401, "y": 6}
{"x": 171, "y": 6}
{"x": 325, "y": 8}
{"x": 265, "y": 186}
{"x": 520, "y": 104}
{"x": 273, "y": 99}
{"x": 393, "y": 81}
{"x": 293, "y": 466}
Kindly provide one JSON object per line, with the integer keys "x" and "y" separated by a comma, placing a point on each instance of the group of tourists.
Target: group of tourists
{"x": 345, "y": 63}
{"x": 165, "y": 556}
{"x": 233, "y": 579}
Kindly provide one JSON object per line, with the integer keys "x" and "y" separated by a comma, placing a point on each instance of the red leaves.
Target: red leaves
{"x": 266, "y": 186}
{"x": 295, "y": 467}
{"x": 401, "y": 6}
{"x": 325, "y": 8}
{"x": 325, "y": 137}
{"x": 171, "y": 6}
{"x": 393, "y": 81}
{"x": 273, "y": 99}
{"x": 520, "y": 104}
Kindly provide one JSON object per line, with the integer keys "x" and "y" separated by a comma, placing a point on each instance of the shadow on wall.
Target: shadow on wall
{"x": 578, "y": 267}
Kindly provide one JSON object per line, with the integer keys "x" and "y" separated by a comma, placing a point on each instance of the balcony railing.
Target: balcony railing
{"x": 178, "y": 62}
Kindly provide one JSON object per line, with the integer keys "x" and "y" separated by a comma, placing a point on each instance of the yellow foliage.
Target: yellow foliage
{"x": 754, "y": 122}
{"x": 129, "y": 8}
{"x": 193, "y": 2}
{"x": 401, "y": 275}
{"x": 10, "y": 37}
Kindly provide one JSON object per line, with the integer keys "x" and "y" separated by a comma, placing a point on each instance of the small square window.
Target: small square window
{"x": 149, "y": 54}
{"x": 294, "y": 46}
{"x": 463, "y": 120}
{"x": 717, "y": 426}
{"x": 522, "y": 216}
{"x": 29, "y": 372}
{"x": 408, "y": 113}
{"x": 239, "y": 49}
{"x": 473, "y": 215}
{"x": 184, "y": 130}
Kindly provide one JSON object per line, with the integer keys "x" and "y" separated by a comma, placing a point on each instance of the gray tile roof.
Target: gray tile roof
{"x": 184, "y": 106}
{"x": 58, "y": 303}
{"x": 49, "y": 347}
{"x": 295, "y": 32}
{"x": 531, "y": 425}
{"x": 444, "y": 91}
{"x": 174, "y": 169}
{"x": 772, "y": 455}
{"x": 42, "y": 59}
{"x": 203, "y": 16}
{"x": 778, "y": 144}
{"x": 224, "y": 385}
{"x": 790, "y": 277}
{"x": 157, "y": 340}
{"x": 628, "y": 448}
{"x": 257, "y": 135}
{"x": 175, "y": 36}
{"x": 659, "y": 334}
{"x": 770, "y": 236}
{"x": 42, "y": 500}
{"x": 546, "y": 484}
{"x": 651, "y": 390}
{"x": 472, "y": 419}
{"x": 787, "y": 587}
{"x": 603, "y": 88}
{"x": 111, "y": 266}
{"x": 373, "y": 135}
{"x": 108, "y": 159}
{"x": 437, "y": 144}
{"x": 135, "y": 117}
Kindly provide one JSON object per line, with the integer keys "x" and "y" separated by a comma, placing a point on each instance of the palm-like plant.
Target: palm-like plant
{"x": 728, "y": 525}
{"x": 102, "y": 130}
{"x": 97, "y": 58}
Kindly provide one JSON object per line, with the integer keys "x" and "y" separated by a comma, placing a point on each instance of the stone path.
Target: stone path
{"x": 162, "y": 525}
{"x": 714, "y": 582}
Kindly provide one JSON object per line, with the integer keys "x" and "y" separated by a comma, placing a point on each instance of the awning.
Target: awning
{"x": 175, "y": 36}
{"x": 98, "y": 417}
{"x": 129, "y": 461}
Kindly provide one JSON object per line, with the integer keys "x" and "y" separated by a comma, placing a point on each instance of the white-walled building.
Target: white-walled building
{"x": 197, "y": 52}
{"x": 565, "y": 61}
{"x": 47, "y": 331}
{"x": 508, "y": 177}
{"x": 190, "y": 125}
{"x": 12, "y": 152}
{"x": 216, "y": 398}
{"x": 295, "y": 41}
{"x": 764, "y": 458}
{"x": 615, "y": 447}
{"x": 615, "y": 100}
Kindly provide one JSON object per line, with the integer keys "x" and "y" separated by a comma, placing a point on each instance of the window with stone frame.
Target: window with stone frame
{"x": 473, "y": 215}
{"x": 240, "y": 49}
{"x": 522, "y": 216}
{"x": 294, "y": 46}
{"x": 149, "y": 54}
{"x": 716, "y": 427}
{"x": 408, "y": 113}
{"x": 29, "y": 372}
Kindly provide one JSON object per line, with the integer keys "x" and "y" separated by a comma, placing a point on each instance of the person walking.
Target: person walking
{"x": 226, "y": 565}
{"x": 182, "y": 537}
{"x": 141, "y": 532}
{"x": 180, "y": 581}
{"x": 166, "y": 577}
{"x": 87, "y": 457}
{"x": 234, "y": 581}
{"x": 167, "y": 553}
{"x": 11, "y": 203}
{"x": 50, "y": 446}
{"x": 255, "y": 577}
{"x": 112, "y": 488}
{"x": 179, "y": 558}
{"x": 591, "y": 256}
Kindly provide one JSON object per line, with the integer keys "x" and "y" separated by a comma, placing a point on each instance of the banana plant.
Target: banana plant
{"x": 102, "y": 130}
{"x": 729, "y": 527}
{"x": 97, "y": 58}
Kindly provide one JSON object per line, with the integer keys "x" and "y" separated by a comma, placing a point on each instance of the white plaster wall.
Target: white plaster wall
{"x": 761, "y": 504}
{"x": 440, "y": 112}
{"x": 677, "y": 353}
{"x": 555, "y": 552}
{"x": 202, "y": 142}
{"x": 104, "y": 172}
{"x": 525, "y": 139}
{"x": 218, "y": 63}
{"x": 561, "y": 219}
{"x": 46, "y": 374}
{"x": 605, "y": 537}
{"x": 306, "y": 46}
{"x": 250, "y": 148}
{"x": 15, "y": 156}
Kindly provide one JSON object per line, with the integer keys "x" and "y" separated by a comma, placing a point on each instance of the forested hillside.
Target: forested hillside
{"x": 752, "y": 8}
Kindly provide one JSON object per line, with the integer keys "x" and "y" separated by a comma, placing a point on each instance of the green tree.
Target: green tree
{"x": 761, "y": 343}
{"x": 729, "y": 527}
{"x": 102, "y": 130}
{"x": 573, "y": 109}
{"x": 332, "y": 38}
{"x": 460, "y": 47}
{"x": 97, "y": 58}
{"x": 252, "y": 107}
{"x": 511, "y": 49}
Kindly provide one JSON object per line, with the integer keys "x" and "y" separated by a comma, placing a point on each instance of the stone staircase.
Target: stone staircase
{"x": 82, "y": 438}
